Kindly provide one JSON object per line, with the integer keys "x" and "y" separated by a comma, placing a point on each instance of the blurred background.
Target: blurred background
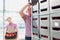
{"x": 10, "y": 8}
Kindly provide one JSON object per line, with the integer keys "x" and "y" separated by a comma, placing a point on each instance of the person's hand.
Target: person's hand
{"x": 28, "y": 4}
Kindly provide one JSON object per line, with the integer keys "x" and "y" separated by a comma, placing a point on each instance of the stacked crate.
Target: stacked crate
{"x": 35, "y": 24}
{"x": 44, "y": 19}
{"x": 44, "y": 27}
{"x": 55, "y": 19}
{"x": 49, "y": 20}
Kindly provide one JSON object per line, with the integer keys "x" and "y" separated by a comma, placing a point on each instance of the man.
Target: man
{"x": 11, "y": 30}
{"x": 27, "y": 20}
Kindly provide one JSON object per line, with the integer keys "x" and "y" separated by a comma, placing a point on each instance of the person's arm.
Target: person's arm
{"x": 6, "y": 28}
{"x": 15, "y": 27}
{"x": 22, "y": 10}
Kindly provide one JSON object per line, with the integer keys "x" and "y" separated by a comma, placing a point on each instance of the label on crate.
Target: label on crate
{"x": 56, "y": 24}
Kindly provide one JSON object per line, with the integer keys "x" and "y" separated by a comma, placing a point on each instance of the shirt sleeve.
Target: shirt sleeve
{"x": 24, "y": 18}
{"x": 15, "y": 26}
{"x": 6, "y": 27}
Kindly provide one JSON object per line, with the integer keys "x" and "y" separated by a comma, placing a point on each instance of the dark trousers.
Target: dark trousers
{"x": 27, "y": 38}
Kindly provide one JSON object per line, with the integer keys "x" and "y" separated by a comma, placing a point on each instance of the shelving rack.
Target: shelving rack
{"x": 46, "y": 20}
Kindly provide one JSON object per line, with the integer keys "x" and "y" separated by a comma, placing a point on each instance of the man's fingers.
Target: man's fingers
{"x": 29, "y": 4}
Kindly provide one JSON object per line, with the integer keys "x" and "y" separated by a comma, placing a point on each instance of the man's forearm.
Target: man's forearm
{"x": 23, "y": 8}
